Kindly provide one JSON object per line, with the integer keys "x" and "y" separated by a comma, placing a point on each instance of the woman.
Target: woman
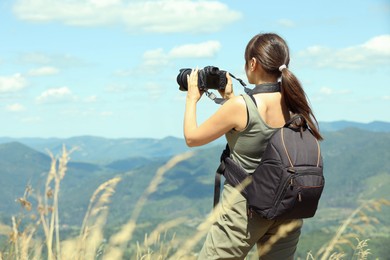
{"x": 248, "y": 124}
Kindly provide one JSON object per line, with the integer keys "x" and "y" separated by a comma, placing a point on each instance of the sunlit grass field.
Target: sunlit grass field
{"x": 36, "y": 233}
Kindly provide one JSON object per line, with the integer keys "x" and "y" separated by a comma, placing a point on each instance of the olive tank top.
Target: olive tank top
{"x": 247, "y": 146}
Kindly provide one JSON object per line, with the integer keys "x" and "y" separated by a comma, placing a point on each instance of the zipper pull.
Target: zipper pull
{"x": 291, "y": 170}
{"x": 299, "y": 197}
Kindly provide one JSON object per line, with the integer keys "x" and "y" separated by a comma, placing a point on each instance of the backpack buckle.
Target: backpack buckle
{"x": 291, "y": 170}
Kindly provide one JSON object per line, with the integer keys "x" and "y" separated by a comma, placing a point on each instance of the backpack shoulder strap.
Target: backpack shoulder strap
{"x": 220, "y": 171}
{"x": 293, "y": 119}
{"x": 234, "y": 174}
{"x": 287, "y": 125}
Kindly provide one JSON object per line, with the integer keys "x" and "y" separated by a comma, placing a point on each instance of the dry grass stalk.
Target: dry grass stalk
{"x": 309, "y": 256}
{"x": 14, "y": 238}
{"x": 24, "y": 246}
{"x": 21, "y": 241}
{"x": 336, "y": 256}
{"x": 5, "y": 230}
{"x": 91, "y": 233}
{"x": 204, "y": 227}
{"x": 27, "y": 242}
{"x": 49, "y": 212}
{"x": 282, "y": 232}
{"x": 37, "y": 250}
{"x": 362, "y": 252}
{"x": 357, "y": 216}
{"x": 49, "y": 222}
{"x": 154, "y": 236}
{"x": 105, "y": 190}
{"x": 118, "y": 241}
{"x": 154, "y": 240}
{"x": 96, "y": 237}
{"x": 24, "y": 201}
{"x": 25, "y": 204}
{"x": 159, "y": 249}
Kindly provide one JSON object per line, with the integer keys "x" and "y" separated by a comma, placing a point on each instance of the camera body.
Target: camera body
{"x": 209, "y": 77}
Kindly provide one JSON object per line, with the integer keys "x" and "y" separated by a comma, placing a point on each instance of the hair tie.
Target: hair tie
{"x": 282, "y": 67}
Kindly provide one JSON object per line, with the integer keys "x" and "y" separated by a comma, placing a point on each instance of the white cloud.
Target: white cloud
{"x": 330, "y": 91}
{"x": 90, "y": 99}
{"x": 150, "y": 15}
{"x": 117, "y": 88}
{"x": 12, "y": 83}
{"x": 32, "y": 120}
{"x": 15, "y": 107}
{"x": 201, "y": 50}
{"x": 374, "y": 52}
{"x": 43, "y": 71}
{"x": 379, "y": 45}
{"x": 154, "y": 60}
{"x": 154, "y": 89}
{"x": 326, "y": 91}
{"x": 286, "y": 23}
{"x": 45, "y": 62}
{"x": 54, "y": 95}
{"x": 37, "y": 58}
{"x": 104, "y": 3}
{"x": 106, "y": 114}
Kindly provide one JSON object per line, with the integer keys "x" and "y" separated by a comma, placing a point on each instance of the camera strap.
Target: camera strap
{"x": 264, "y": 88}
{"x": 220, "y": 101}
{"x": 260, "y": 88}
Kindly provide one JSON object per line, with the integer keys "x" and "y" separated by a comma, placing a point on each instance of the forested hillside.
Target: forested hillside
{"x": 356, "y": 166}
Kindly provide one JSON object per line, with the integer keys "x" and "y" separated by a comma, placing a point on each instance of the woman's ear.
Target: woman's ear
{"x": 253, "y": 64}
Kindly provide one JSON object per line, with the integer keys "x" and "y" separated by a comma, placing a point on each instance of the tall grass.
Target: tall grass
{"x": 351, "y": 229}
{"x": 90, "y": 243}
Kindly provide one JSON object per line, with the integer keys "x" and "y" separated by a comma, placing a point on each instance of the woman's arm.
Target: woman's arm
{"x": 232, "y": 114}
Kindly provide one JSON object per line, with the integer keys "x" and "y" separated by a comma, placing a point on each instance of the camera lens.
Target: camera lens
{"x": 182, "y": 79}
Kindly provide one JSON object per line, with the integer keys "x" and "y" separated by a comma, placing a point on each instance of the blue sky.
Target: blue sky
{"x": 108, "y": 67}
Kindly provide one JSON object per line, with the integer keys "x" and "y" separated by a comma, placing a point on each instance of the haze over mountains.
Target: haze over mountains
{"x": 103, "y": 150}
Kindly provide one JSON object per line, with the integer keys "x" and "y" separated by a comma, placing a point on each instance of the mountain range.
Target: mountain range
{"x": 104, "y": 150}
{"x": 356, "y": 167}
{"x": 374, "y": 126}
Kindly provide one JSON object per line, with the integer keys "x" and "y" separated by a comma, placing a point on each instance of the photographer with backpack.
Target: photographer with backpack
{"x": 248, "y": 122}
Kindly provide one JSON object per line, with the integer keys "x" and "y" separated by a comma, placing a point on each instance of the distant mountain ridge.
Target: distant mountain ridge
{"x": 106, "y": 150}
{"x": 375, "y": 126}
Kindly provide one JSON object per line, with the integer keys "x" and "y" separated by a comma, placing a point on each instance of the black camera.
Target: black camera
{"x": 209, "y": 77}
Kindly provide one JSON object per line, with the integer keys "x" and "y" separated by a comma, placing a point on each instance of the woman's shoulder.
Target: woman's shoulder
{"x": 236, "y": 101}
{"x": 235, "y": 109}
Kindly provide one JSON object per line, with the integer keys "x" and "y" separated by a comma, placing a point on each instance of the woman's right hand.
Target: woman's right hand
{"x": 193, "y": 92}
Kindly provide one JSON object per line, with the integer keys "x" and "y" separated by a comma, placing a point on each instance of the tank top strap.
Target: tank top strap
{"x": 253, "y": 112}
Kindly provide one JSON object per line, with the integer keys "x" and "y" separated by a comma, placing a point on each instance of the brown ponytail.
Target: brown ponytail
{"x": 272, "y": 52}
{"x": 297, "y": 101}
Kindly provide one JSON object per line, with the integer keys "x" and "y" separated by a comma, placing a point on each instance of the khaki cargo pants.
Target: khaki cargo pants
{"x": 234, "y": 233}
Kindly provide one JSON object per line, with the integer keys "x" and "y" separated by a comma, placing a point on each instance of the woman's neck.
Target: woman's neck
{"x": 265, "y": 78}
{"x": 259, "y": 82}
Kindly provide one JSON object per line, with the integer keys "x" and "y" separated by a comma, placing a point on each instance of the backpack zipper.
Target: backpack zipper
{"x": 289, "y": 181}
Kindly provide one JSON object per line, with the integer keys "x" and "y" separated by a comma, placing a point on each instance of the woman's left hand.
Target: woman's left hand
{"x": 227, "y": 93}
{"x": 193, "y": 92}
